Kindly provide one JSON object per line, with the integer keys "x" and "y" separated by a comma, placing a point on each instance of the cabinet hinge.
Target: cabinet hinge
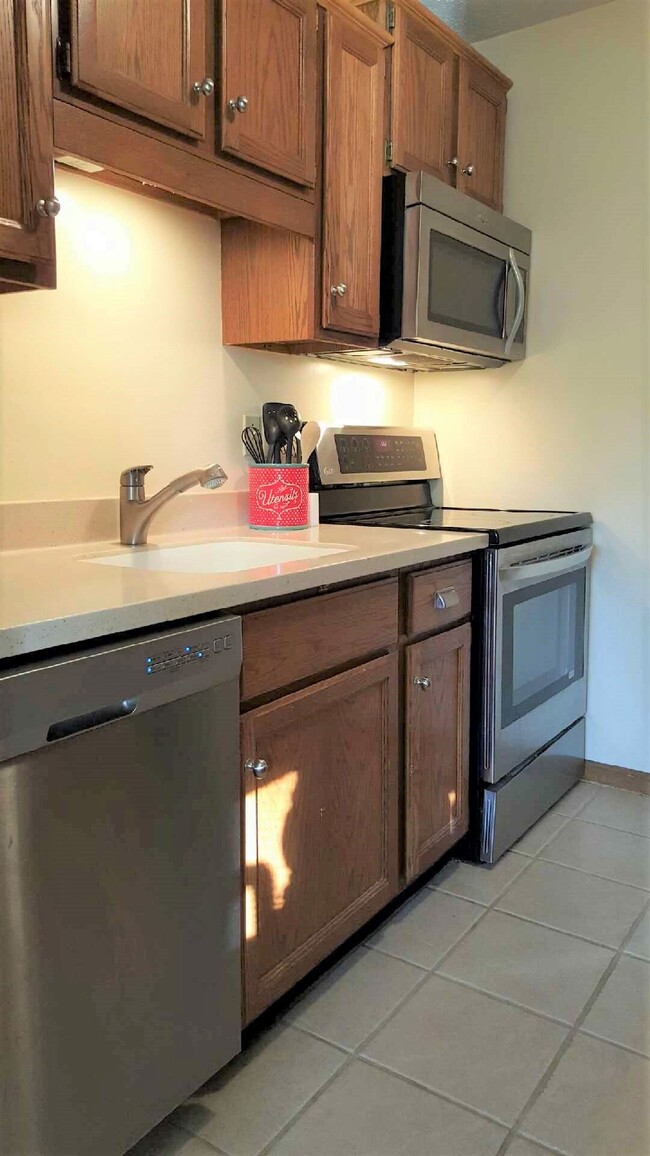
{"x": 63, "y": 58}
{"x": 388, "y": 152}
{"x": 390, "y": 17}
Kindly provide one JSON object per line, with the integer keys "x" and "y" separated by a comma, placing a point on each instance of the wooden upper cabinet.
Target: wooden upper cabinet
{"x": 352, "y": 173}
{"x": 26, "y": 151}
{"x": 423, "y": 111}
{"x": 447, "y": 103}
{"x": 144, "y": 56}
{"x": 268, "y": 85}
{"x": 320, "y": 824}
{"x": 482, "y": 101}
{"x": 437, "y": 746}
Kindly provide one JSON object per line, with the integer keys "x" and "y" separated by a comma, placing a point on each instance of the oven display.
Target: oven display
{"x": 379, "y": 453}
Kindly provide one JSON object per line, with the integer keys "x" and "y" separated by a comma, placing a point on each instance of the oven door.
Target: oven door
{"x": 462, "y": 289}
{"x": 539, "y": 645}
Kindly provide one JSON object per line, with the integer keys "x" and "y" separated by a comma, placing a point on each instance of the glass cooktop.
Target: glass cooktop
{"x": 503, "y": 526}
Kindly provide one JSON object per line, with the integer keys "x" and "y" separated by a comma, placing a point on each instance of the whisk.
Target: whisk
{"x": 252, "y": 439}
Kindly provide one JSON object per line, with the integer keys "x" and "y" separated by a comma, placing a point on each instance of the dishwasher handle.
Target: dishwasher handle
{"x": 91, "y": 720}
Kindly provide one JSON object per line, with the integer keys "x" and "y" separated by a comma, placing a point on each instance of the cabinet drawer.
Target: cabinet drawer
{"x": 439, "y": 596}
{"x": 299, "y": 640}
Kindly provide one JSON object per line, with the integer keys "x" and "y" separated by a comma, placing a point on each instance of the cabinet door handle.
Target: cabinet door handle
{"x": 423, "y": 682}
{"x": 48, "y": 207}
{"x": 238, "y": 104}
{"x": 468, "y": 170}
{"x": 259, "y": 767}
{"x": 203, "y": 87}
{"x": 453, "y": 163}
{"x": 445, "y": 598}
{"x": 339, "y": 290}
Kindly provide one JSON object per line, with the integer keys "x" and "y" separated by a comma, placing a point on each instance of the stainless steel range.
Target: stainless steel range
{"x": 530, "y": 618}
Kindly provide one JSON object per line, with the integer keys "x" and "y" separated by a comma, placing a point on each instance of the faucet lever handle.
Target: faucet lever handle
{"x": 133, "y": 482}
{"x": 134, "y": 476}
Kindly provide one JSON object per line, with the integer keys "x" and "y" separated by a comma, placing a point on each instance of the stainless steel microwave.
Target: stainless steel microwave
{"x": 454, "y": 280}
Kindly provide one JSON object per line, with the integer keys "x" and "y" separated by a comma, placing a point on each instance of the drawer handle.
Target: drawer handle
{"x": 259, "y": 767}
{"x": 423, "y": 682}
{"x": 446, "y": 598}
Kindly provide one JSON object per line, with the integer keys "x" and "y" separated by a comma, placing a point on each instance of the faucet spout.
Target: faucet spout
{"x": 137, "y": 511}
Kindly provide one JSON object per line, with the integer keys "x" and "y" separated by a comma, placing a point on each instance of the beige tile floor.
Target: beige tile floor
{"x": 498, "y": 1011}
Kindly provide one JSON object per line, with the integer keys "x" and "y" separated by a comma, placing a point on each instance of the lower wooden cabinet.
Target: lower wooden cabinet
{"x": 437, "y": 738}
{"x": 320, "y": 823}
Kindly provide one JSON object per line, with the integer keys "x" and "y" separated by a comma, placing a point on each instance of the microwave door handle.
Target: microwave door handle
{"x": 521, "y": 301}
{"x": 549, "y": 568}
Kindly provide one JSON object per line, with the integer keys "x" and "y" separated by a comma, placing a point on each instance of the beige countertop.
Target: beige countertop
{"x": 57, "y": 596}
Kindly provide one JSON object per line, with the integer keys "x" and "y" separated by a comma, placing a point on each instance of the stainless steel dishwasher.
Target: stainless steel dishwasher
{"x": 119, "y": 887}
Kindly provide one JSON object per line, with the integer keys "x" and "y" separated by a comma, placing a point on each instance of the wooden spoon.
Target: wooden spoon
{"x": 309, "y": 439}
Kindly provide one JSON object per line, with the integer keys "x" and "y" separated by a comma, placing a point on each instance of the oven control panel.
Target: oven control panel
{"x": 375, "y": 453}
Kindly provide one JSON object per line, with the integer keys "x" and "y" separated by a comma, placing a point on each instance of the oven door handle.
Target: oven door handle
{"x": 548, "y": 568}
{"x": 521, "y": 302}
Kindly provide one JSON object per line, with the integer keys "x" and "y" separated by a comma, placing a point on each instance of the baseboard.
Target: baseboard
{"x": 623, "y": 777}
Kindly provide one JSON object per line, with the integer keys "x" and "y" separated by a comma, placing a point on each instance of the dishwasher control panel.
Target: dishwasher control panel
{"x": 183, "y": 655}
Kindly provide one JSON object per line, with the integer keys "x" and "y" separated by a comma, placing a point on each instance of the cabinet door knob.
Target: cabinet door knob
{"x": 339, "y": 290}
{"x": 468, "y": 170}
{"x": 423, "y": 682}
{"x": 48, "y": 207}
{"x": 259, "y": 767}
{"x": 203, "y": 87}
{"x": 445, "y": 598}
{"x": 238, "y": 104}
{"x": 453, "y": 163}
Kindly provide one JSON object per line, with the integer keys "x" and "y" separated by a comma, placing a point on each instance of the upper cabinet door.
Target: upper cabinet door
{"x": 268, "y": 87}
{"x": 145, "y": 56}
{"x": 353, "y": 164}
{"x": 423, "y": 97}
{"x": 482, "y": 104}
{"x": 26, "y": 164}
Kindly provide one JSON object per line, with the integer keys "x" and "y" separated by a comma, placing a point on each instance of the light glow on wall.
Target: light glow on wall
{"x": 98, "y": 240}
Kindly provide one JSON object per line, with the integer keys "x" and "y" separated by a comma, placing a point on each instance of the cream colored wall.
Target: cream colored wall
{"x": 124, "y": 364}
{"x": 569, "y": 427}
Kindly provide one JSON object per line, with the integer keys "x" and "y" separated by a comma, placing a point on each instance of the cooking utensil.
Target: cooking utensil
{"x": 289, "y": 422}
{"x": 271, "y": 429}
{"x": 252, "y": 439}
{"x": 273, "y": 437}
{"x": 309, "y": 439}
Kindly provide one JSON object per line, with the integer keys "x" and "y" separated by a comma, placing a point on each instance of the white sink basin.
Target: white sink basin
{"x": 226, "y": 556}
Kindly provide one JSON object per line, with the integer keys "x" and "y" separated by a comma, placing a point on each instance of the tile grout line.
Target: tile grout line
{"x": 566, "y": 1043}
{"x": 572, "y": 1029}
{"x": 356, "y": 1054}
{"x": 594, "y": 874}
{"x": 614, "y": 1043}
{"x": 539, "y": 858}
{"x": 610, "y": 827}
{"x": 559, "y": 930}
{"x": 195, "y": 1136}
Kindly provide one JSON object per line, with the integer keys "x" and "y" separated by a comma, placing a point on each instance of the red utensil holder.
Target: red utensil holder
{"x": 278, "y": 497}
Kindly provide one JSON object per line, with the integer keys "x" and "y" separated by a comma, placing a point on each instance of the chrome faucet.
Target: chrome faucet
{"x": 138, "y": 511}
